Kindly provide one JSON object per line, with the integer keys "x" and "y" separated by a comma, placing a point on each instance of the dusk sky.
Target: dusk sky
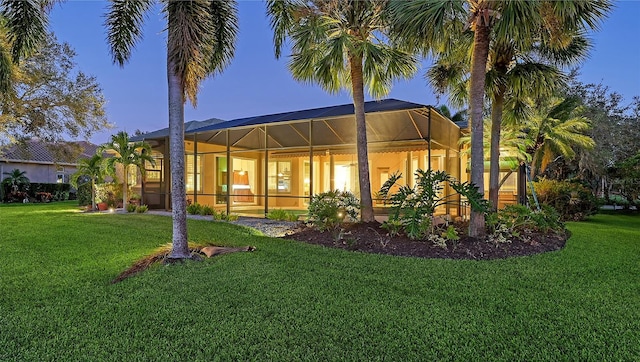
{"x": 256, "y": 83}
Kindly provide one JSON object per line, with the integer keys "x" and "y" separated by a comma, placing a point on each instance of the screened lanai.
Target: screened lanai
{"x": 257, "y": 164}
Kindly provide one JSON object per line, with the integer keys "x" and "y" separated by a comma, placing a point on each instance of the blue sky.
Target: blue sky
{"x": 256, "y": 83}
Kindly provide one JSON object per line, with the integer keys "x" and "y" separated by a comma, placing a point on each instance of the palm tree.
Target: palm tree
{"x": 512, "y": 77}
{"x": 126, "y": 153}
{"x": 200, "y": 42}
{"x": 341, "y": 44}
{"x": 94, "y": 169}
{"x": 557, "y": 129}
{"x": 430, "y": 24}
{"x": 15, "y": 179}
{"x": 23, "y": 26}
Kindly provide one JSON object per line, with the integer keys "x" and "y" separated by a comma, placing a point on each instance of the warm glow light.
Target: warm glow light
{"x": 112, "y": 209}
{"x": 306, "y": 180}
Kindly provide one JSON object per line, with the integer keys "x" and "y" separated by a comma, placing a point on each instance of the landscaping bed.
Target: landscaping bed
{"x": 372, "y": 238}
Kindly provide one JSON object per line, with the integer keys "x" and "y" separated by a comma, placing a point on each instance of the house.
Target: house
{"x": 256, "y": 164}
{"x": 45, "y": 162}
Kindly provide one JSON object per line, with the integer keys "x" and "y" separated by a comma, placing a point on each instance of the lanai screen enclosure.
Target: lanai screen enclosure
{"x": 256, "y": 164}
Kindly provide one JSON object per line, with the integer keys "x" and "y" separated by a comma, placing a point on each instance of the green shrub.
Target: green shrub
{"x": 131, "y": 207}
{"x": 206, "y": 210}
{"x": 517, "y": 220}
{"x": 282, "y": 215}
{"x": 194, "y": 209}
{"x": 571, "y": 200}
{"x": 142, "y": 209}
{"x": 84, "y": 194}
{"x": 329, "y": 209}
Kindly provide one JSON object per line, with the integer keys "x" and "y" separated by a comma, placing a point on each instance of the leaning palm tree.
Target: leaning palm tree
{"x": 429, "y": 24}
{"x": 557, "y": 128}
{"x": 126, "y": 153}
{"x": 200, "y": 42}
{"x": 23, "y": 26}
{"x": 340, "y": 44}
{"x": 94, "y": 169}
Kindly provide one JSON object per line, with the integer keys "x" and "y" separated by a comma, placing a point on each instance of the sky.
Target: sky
{"x": 256, "y": 83}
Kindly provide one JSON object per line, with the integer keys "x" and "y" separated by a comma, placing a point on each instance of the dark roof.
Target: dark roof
{"x": 38, "y": 151}
{"x": 315, "y": 113}
{"x": 188, "y": 128}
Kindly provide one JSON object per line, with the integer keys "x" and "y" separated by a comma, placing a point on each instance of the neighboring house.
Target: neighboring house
{"x": 45, "y": 162}
{"x": 256, "y": 164}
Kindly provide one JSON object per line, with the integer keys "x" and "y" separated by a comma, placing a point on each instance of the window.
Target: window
{"x": 154, "y": 173}
{"x": 193, "y": 181}
{"x": 280, "y": 176}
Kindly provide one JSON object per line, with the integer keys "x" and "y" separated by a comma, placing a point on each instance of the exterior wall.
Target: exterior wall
{"x": 39, "y": 173}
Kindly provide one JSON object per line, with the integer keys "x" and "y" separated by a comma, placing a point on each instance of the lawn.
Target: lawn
{"x": 291, "y": 301}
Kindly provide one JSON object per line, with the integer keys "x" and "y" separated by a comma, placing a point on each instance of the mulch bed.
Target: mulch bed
{"x": 371, "y": 238}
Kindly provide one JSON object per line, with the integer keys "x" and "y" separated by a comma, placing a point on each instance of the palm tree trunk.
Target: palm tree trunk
{"x": 125, "y": 186}
{"x": 93, "y": 194}
{"x": 494, "y": 155}
{"x": 180, "y": 248}
{"x": 357, "y": 85}
{"x": 478, "y": 73}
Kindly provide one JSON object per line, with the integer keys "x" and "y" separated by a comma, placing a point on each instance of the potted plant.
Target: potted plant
{"x": 135, "y": 199}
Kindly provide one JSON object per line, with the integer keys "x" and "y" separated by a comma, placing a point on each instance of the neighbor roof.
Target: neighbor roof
{"x": 38, "y": 151}
{"x": 314, "y": 113}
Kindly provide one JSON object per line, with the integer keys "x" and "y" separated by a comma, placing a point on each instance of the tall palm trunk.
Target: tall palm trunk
{"x": 93, "y": 194}
{"x": 478, "y": 72}
{"x": 125, "y": 187}
{"x": 180, "y": 248}
{"x": 494, "y": 155}
{"x": 357, "y": 86}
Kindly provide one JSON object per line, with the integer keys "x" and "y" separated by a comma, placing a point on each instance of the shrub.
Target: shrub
{"x": 282, "y": 215}
{"x": 206, "y": 210}
{"x": 142, "y": 209}
{"x": 517, "y": 220}
{"x": 194, "y": 209}
{"x": 571, "y": 200}
{"x": 131, "y": 207}
{"x": 84, "y": 194}
{"x": 329, "y": 209}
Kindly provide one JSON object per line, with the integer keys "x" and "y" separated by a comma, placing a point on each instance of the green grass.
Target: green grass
{"x": 291, "y": 301}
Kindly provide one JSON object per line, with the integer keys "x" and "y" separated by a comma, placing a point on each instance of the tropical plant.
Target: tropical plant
{"x": 24, "y": 27}
{"x": 200, "y": 42}
{"x": 429, "y": 25}
{"x": 514, "y": 76}
{"x": 341, "y": 44}
{"x": 16, "y": 180}
{"x": 572, "y": 200}
{"x": 126, "y": 153}
{"x": 413, "y": 207}
{"x": 92, "y": 168}
{"x": 556, "y": 128}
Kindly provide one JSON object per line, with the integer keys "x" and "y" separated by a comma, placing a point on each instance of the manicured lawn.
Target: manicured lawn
{"x": 290, "y": 301}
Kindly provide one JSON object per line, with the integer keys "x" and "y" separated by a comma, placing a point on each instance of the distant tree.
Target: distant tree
{"x": 92, "y": 168}
{"x": 16, "y": 180}
{"x": 50, "y": 98}
{"x": 200, "y": 43}
{"x": 340, "y": 44}
{"x": 126, "y": 153}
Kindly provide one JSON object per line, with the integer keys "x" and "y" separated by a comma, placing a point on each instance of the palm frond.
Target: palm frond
{"x": 26, "y": 22}
{"x": 124, "y": 22}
